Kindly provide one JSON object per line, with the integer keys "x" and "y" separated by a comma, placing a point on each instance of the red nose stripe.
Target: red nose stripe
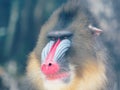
{"x": 51, "y": 54}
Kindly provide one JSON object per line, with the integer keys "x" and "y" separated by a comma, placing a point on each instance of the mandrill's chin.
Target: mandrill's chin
{"x": 58, "y": 76}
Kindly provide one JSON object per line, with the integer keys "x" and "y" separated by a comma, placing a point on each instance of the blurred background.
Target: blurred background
{"x": 20, "y": 23}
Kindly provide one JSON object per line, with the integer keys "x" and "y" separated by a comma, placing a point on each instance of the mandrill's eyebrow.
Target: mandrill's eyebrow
{"x": 60, "y": 34}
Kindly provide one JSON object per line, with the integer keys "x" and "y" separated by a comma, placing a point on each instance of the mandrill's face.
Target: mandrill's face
{"x": 54, "y": 61}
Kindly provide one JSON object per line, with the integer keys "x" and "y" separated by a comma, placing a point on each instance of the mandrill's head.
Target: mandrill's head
{"x": 66, "y": 44}
{"x": 66, "y": 52}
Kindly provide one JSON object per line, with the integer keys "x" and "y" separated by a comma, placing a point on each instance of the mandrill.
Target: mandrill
{"x": 69, "y": 54}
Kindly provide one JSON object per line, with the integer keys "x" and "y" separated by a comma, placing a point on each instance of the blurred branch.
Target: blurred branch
{"x": 2, "y": 31}
{"x": 11, "y": 27}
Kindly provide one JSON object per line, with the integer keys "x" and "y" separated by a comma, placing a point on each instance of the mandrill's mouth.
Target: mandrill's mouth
{"x": 58, "y": 76}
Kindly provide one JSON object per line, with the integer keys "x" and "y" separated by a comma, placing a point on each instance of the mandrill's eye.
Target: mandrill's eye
{"x": 63, "y": 34}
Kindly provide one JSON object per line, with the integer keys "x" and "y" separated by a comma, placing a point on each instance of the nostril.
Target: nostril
{"x": 50, "y": 64}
